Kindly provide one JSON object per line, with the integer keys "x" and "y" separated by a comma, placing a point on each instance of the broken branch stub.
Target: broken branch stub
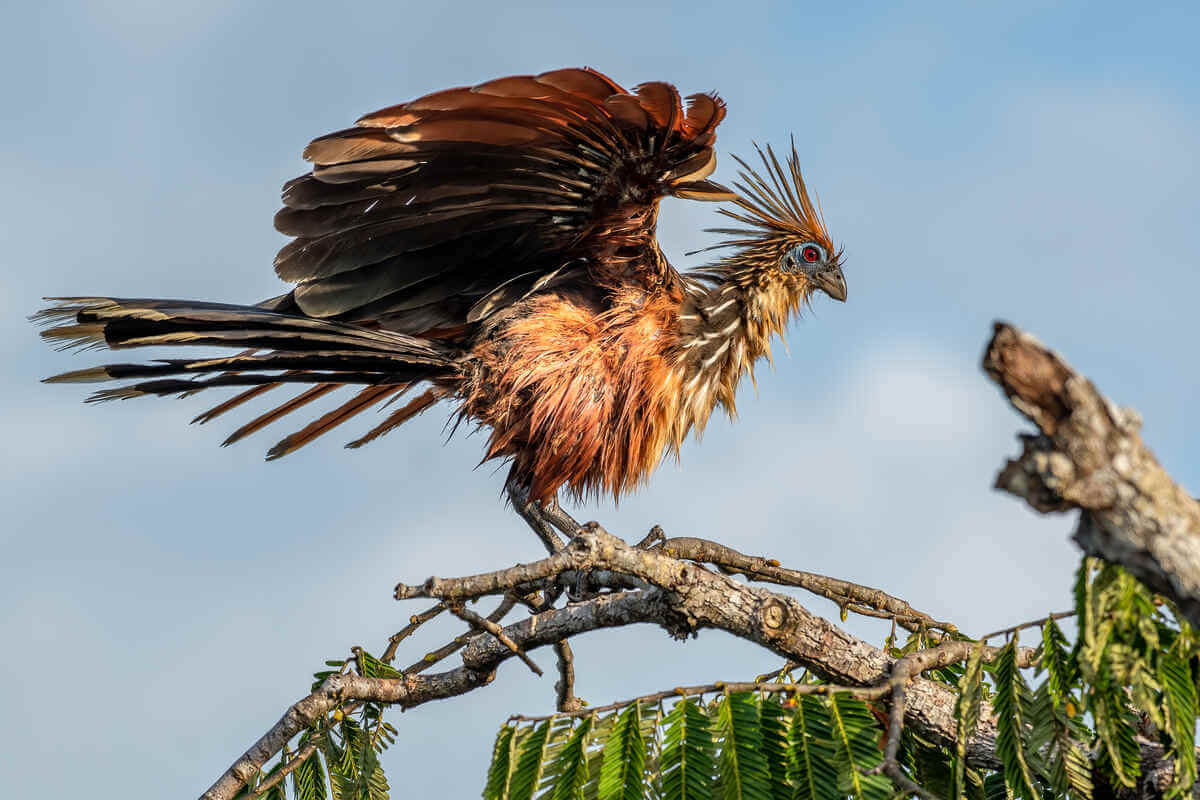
{"x": 1090, "y": 456}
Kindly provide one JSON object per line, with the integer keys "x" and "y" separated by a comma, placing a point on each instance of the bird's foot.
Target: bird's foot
{"x": 652, "y": 538}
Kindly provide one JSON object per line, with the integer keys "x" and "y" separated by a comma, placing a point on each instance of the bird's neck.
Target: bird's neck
{"x": 725, "y": 326}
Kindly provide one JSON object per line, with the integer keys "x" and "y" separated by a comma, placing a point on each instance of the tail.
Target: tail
{"x": 277, "y": 349}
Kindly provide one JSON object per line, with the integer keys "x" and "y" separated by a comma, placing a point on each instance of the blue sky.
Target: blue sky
{"x": 167, "y": 598}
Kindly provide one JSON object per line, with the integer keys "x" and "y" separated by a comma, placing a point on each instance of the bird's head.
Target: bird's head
{"x": 784, "y": 244}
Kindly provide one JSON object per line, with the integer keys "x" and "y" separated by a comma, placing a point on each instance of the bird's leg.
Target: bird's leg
{"x": 556, "y": 516}
{"x": 534, "y": 515}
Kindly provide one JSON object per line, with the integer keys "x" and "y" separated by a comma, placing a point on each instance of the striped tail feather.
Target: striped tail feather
{"x": 276, "y": 349}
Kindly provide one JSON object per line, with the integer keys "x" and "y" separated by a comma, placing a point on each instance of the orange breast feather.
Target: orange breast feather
{"x": 580, "y": 396}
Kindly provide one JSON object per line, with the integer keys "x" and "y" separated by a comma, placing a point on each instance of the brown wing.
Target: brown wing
{"x": 435, "y": 213}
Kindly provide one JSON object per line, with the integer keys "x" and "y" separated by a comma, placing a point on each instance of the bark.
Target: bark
{"x": 1090, "y": 456}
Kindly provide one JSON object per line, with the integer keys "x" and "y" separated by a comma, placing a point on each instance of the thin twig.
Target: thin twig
{"x": 1037, "y": 623}
{"x": 481, "y": 623}
{"x": 564, "y": 687}
{"x": 766, "y": 677}
{"x": 458, "y": 642}
{"x": 861, "y": 692}
{"x": 414, "y": 622}
{"x": 302, "y": 755}
{"x": 497, "y": 582}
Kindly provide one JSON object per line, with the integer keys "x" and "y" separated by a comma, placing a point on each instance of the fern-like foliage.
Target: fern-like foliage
{"x": 1013, "y": 705}
{"x": 773, "y": 721}
{"x": 501, "y": 766}
{"x": 741, "y": 760}
{"x": 530, "y": 761}
{"x": 621, "y": 772}
{"x": 740, "y": 745}
{"x": 966, "y": 716}
{"x": 308, "y": 779}
{"x": 1058, "y": 731}
{"x": 856, "y": 745}
{"x": 687, "y": 753}
{"x": 810, "y": 738}
{"x": 571, "y": 766}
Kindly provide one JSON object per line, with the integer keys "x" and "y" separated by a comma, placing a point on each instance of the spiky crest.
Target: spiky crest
{"x": 776, "y": 210}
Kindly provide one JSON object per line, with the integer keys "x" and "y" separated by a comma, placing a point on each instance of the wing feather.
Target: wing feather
{"x": 450, "y": 207}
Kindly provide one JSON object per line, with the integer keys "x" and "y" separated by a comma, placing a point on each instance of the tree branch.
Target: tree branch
{"x": 686, "y": 598}
{"x": 849, "y": 596}
{"x": 1090, "y": 456}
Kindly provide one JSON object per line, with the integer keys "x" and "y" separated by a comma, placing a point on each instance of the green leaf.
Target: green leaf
{"x": 966, "y": 715}
{"x": 530, "y": 762}
{"x": 975, "y": 787}
{"x": 556, "y": 740}
{"x": 276, "y": 792}
{"x": 1060, "y": 668}
{"x": 1059, "y": 736}
{"x": 932, "y": 767}
{"x": 1179, "y": 700}
{"x": 571, "y": 768}
{"x": 308, "y": 779}
{"x": 624, "y": 762}
{"x": 812, "y": 763}
{"x": 1083, "y": 606}
{"x": 651, "y": 723}
{"x": 1116, "y": 725}
{"x": 372, "y": 667}
{"x": 773, "y": 720}
{"x": 341, "y": 765}
{"x": 856, "y": 748}
{"x": 602, "y": 728}
{"x": 496, "y": 787}
{"x": 742, "y": 765}
{"x": 359, "y": 773}
{"x": 996, "y": 788}
{"x": 1012, "y": 705}
{"x": 687, "y": 756}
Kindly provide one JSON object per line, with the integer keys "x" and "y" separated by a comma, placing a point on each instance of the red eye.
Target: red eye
{"x": 811, "y": 254}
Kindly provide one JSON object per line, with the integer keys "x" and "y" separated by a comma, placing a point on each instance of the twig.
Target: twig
{"x": 302, "y": 755}
{"x": 414, "y": 622}
{"x": 902, "y": 672}
{"x": 455, "y": 644}
{"x": 497, "y": 582}
{"x": 564, "y": 687}
{"x": 861, "y": 692}
{"x": 766, "y": 677}
{"x": 480, "y": 623}
{"x": 1036, "y": 623}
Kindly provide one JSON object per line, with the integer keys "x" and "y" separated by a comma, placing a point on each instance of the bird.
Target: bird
{"x": 494, "y": 247}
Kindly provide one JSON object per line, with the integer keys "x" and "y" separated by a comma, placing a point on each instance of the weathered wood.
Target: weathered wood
{"x": 1090, "y": 456}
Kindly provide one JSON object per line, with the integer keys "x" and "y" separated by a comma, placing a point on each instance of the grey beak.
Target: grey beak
{"x": 833, "y": 283}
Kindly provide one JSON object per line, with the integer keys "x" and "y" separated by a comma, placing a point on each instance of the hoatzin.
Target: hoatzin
{"x": 496, "y": 246}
